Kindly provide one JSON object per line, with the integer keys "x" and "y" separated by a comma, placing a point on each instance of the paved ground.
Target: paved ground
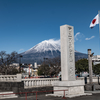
{"x": 95, "y": 96}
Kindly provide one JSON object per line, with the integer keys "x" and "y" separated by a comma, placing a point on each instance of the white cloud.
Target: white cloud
{"x": 78, "y": 37}
{"x": 21, "y": 50}
{"x": 89, "y": 38}
{"x": 53, "y": 41}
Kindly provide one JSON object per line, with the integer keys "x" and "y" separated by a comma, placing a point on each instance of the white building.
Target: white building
{"x": 14, "y": 64}
{"x": 96, "y": 59}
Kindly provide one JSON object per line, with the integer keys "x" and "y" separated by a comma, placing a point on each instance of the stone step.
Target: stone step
{"x": 7, "y": 95}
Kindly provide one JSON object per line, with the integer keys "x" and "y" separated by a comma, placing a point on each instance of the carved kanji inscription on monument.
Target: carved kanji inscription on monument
{"x": 71, "y": 70}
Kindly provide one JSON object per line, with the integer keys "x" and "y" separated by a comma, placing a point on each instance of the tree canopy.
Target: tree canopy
{"x": 81, "y": 65}
{"x": 6, "y": 60}
{"x": 44, "y": 70}
{"x": 50, "y": 67}
{"x": 96, "y": 69}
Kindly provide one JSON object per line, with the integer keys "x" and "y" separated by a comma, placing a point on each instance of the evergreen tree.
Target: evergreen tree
{"x": 96, "y": 69}
{"x": 81, "y": 65}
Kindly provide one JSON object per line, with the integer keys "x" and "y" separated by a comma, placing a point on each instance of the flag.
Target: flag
{"x": 95, "y": 21}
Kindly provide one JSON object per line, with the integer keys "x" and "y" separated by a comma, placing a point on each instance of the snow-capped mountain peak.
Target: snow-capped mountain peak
{"x": 46, "y": 49}
{"x": 46, "y": 45}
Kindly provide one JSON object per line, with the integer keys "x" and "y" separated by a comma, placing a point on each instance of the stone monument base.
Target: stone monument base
{"x": 72, "y": 88}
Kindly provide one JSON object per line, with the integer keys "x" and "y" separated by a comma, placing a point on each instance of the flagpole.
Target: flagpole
{"x": 99, "y": 28}
{"x": 99, "y": 22}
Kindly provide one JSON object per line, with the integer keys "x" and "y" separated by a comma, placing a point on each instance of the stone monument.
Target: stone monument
{"x": 74, "y": 87}
{"x": 67, "y": 53}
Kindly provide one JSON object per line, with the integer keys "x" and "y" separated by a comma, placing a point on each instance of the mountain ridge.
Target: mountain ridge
{"x": 46, "y": 49}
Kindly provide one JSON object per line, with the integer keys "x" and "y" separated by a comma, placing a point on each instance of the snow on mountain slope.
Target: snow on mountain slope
{"x": 46, "y": 45}
{"x": 46, "y": 49}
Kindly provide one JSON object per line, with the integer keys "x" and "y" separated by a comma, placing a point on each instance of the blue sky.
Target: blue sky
{"x": 25, "y": 23}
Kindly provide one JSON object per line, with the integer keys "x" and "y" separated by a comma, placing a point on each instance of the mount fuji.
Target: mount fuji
{"x": 46, "y": 45}
{"x": 46, "y": 49}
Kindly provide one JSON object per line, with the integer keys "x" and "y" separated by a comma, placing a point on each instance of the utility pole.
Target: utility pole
{"x": 20, "y": 56}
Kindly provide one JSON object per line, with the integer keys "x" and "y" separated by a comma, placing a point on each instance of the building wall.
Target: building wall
{"x": 96, "y": 59}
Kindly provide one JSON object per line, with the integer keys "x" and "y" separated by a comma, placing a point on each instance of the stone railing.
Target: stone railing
{"x": 79, "y": 78}
{"x": 10, "y": 78}
{"x": 94, "y": 79}
{"x": 39, "y": 82}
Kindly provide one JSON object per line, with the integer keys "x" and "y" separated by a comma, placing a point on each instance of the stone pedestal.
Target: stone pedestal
{"x": 72, "y": 88}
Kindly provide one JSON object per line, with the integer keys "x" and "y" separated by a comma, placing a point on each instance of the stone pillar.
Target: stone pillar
{"x": 67, "y": 53}
{"x": 19, "y": 78}
{"x": 90, "y": 65}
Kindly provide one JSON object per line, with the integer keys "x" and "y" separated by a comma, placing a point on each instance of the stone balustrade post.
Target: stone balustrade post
{"x": 19, "y": 77}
